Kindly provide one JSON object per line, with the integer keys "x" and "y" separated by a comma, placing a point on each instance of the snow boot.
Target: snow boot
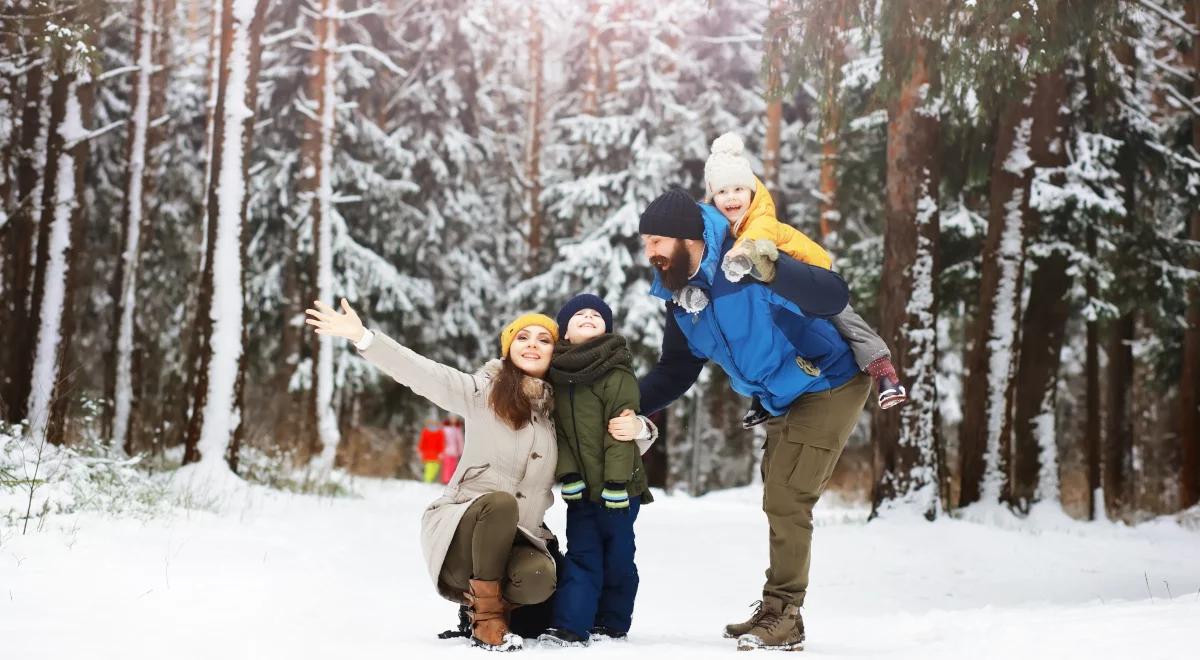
{"x": 604, "y": 634}
{"x": 891, "y": 392}
{"x": 756, "y": 415}
{"x": 780, "y": 628}
{"x": 561, "y": 637}
{"x": 463, "y": 629}
{"x": 735, "y": 630}
{"x": 489, "y": 617}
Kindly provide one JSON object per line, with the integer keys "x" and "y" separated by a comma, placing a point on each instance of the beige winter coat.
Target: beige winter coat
{"x": 495, "y": 457}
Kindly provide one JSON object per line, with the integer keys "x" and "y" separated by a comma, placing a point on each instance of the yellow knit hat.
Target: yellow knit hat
{"x": 524, "y": 321}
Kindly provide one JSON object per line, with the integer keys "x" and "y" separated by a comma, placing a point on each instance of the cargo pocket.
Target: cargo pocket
{"x": 819, "y": 451}
{"x": 813, "y": 468}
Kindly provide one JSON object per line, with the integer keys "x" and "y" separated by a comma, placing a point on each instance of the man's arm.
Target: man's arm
{"x": 676, "y": 371}
{"x": 816, "y": 291}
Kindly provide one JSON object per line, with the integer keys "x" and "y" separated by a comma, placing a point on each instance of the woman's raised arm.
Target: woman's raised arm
{"x": 446, "y": 387}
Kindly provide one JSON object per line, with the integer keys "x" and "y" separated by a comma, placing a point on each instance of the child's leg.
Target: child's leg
{"x": 431, "y": 471}
{"x": 449, "y": 465}
{"x": 866, "y": 344}
{"x": 620, "y": 571}
{"x": 579, "y": 589}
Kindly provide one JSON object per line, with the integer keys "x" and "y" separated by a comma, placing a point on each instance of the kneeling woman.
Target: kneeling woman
{"x": 484, "y": 540}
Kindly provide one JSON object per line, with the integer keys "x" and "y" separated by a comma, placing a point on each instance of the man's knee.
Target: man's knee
{"x": 531, "y": 577}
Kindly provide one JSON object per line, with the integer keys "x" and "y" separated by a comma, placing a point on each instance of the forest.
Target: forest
{"x": 1011, "y": 188}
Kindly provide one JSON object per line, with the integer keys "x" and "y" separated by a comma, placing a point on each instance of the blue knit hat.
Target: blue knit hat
{"x": 584, "y": 301}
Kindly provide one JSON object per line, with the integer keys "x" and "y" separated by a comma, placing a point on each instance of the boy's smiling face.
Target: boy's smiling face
{"x": 584, "y": 325}
{"x": 732, "y": 202}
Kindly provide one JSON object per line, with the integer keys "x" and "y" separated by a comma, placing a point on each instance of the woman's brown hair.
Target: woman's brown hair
{"x": 508, "y": 399}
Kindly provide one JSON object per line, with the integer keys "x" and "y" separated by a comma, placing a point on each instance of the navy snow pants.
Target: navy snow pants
{"x": 601, "y": 580}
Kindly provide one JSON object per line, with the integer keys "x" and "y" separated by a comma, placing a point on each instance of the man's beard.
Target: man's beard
{"x": 678, "y": 268}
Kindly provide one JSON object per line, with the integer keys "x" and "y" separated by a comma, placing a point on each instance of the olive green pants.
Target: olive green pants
{"x": 487, "y": 546}
{"x": 803, "y": 446}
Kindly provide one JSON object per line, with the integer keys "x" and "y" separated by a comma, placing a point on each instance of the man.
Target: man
{"x": 770, "y": 342}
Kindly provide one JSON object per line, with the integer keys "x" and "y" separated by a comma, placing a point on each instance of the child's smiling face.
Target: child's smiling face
{"x": 586, "y": 324}
{"x": 732, "y": 202}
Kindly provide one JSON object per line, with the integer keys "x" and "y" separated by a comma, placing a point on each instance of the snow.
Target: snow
{"x": 244, "y": 580}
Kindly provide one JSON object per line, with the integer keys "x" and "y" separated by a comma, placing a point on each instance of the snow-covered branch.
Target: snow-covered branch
{"x": 91, "y": 135}
{"x": 1171, "y": 17}
{"x": 108, "y": 75}
{"x": 272, "y": 39}
{"x": 375, "y": 54}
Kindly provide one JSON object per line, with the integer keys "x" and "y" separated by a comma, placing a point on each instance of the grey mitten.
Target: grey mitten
{"x": 692, "y": 299}
{"x": 736, "y": 264}
{"x": 762, "y": 255}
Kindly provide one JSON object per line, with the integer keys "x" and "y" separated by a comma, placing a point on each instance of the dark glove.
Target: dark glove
{"x": 615, "y": 496}
{"x": 573, "y": 487}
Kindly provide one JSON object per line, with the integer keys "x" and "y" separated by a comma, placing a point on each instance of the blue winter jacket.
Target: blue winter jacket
{"x": 759, "y": 336}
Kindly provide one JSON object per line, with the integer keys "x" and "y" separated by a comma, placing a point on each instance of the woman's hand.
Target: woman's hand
{"x": 328, "y": 321}
{"x": 626, "y": 427}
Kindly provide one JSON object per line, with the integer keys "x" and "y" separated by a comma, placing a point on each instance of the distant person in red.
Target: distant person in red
{"x": 453, "y": 434}
{"x": 433, "y": 441}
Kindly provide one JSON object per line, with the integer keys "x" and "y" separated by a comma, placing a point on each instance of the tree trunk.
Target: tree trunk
{"x": 135, "y": 200}
{"x": 54, "y": 277}
{"x": 1189, "y": 380}
{"x": 983, "y": 449}
{"x": 1118, "y": 432}
{"x": 591, "y": 84}
{"x": 19, "y": 248}
{"x": 194, "y": 332}
{"x": 318, "y": 159}
{"x": 1035, "y": 455}
{"x": 1092, "y": 432}
{"x": 907, "y": 465}
{"x": 533, "y": 144}
{"x": 771, "y": 162}
{"x": 215, "y": 425}
{"x": 831, "y": 126}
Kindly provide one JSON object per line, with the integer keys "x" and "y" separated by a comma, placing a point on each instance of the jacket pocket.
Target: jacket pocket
{"x": 474, "y": 472}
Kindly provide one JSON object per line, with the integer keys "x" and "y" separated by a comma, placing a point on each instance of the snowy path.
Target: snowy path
{"x": 292, "y": 577}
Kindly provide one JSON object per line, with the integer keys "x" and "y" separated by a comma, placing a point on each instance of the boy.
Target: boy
{"x": 602, "y": 479}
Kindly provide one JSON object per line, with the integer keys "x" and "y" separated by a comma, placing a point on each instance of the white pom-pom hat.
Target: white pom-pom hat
{"x": 727, "y": 166}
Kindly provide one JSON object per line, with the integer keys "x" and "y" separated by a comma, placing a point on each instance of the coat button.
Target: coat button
{"x": 535, "y": 456}
{"x": 520, "y": 496}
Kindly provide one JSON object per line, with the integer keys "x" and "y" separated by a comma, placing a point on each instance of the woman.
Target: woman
{"x": 484, "y": 540}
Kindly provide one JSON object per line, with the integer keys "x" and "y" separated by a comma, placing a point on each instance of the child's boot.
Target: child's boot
{"x": 756, "y": 415}
{"x": 604, "y": 634}
{"x": 891, "y": 392}
{"x": 561, "y": 637}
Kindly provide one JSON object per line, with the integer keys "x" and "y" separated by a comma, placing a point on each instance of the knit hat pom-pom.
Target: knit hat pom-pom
{"x": 729, "y": 143}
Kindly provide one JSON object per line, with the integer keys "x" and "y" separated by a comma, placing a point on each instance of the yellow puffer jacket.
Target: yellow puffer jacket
{"x": 760, "y": 223}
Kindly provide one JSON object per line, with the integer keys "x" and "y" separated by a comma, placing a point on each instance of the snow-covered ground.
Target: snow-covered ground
{"x": 286, "y": 576}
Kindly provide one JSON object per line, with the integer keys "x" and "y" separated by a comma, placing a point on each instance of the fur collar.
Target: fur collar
{"x": 540, "y": 393}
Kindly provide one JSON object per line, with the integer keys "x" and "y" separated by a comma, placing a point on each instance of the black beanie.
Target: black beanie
{"x": 581, "y": 302}
{"x": 673, "y": 214}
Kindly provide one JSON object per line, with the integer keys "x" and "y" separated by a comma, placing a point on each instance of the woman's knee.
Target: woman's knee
{"x": 499, "y": 504}
{"x": 531, "y": 576}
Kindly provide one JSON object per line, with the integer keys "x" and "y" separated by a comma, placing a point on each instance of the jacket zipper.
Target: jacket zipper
{"x": 575, "y": 428}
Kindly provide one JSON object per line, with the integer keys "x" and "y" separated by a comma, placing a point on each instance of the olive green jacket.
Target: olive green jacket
{"x": 581, "y": 414}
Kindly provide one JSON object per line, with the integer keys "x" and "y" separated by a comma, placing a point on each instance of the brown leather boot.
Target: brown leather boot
{"x": 780, "y": 628}
{"x": 488, "y": 612}
{"x": 735, "y": 630}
